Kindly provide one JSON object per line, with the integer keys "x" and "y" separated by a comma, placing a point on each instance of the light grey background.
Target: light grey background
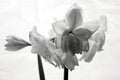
{"x": 18, "y": 17}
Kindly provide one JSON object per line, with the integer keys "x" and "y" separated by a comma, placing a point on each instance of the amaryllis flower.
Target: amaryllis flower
{"x": 72, "y": 37}
{"x": 14, "y": 43}
{"x": 75, "y": 37}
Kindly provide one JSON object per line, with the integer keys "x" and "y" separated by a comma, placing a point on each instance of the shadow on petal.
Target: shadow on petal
{"x": 92, "y": 51}
{"x": 70, "y": 61}
{"x": 99, "y": 38}
{"x": 94, "y": 25}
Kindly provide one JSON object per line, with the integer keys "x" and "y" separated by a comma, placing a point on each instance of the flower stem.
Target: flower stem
{"x": 40, "y": 68}
{"x": 66, "y": 73}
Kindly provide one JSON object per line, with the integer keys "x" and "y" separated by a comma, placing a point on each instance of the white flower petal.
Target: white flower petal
{"x": 52, "y": 34}
{"x": 95, "y": 24}
{"x": 70, "y": 61}
{"x": 59, "y": 27}
{"x": 56, "y": 53}
{"x": 90, "y": 25}
{"x": 91, "y": 53}
{"x": 58, "y": 41}
{"x": 74, "y": 16}
{"x": 44, "y": 48}
{"x": 99, "y": 38}
{"x": 99, "y": 35}
{"x": 60, "y": 55}
{"x": 38, "y": 45}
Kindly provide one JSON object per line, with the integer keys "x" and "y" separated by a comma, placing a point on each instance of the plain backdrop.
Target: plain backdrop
{"x": 17, "y": 17}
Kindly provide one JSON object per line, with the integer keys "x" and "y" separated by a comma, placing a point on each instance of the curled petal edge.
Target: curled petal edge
{"x": 88, "y": 56}
{"x": 44, "y": 48}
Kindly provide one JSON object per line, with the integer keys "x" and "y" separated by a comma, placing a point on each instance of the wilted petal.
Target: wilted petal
{"x": 59, "y": 27}
{"x": 38, "y": 45}
{"x": 56, "y": 53}
{"x": 88, "y": 56}
{"x": 74, "y": 16}
{"x": 70, "y": 61}
{"x": 44, "y": 47}
{"x": 14, "y": 43}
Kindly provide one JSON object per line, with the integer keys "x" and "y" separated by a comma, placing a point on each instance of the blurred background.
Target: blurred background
{"x": 17, "y": 17}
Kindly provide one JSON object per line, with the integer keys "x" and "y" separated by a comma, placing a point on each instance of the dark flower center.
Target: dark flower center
{"x": 75, "y": 41}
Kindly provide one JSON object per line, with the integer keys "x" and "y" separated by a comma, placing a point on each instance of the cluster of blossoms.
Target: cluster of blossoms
{"x": 72, "y": 37}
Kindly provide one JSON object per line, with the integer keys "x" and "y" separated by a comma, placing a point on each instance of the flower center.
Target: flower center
{"x": 75, "y": 41}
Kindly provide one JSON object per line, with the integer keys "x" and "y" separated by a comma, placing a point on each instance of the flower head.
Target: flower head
{"x": 72, "y": 37}
{"x": 75, "y": 37}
